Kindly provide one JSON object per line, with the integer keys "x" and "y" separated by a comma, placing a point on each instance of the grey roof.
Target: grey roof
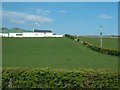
{"x": 44, "y": 31}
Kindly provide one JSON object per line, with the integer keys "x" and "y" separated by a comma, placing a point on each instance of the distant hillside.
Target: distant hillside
{"x": 12, "y": 30}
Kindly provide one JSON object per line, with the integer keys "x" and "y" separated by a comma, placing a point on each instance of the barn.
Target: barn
{"x": 38, "y": 33}
{"x": 34, "y": 33}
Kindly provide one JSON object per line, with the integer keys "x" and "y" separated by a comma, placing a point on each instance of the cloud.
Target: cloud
{"x": 105, "y": 16}
{"x": 40, "y": 19}
{"x": 25, "y": 16}
{"x": 11, "y": 14}
{"x": 37, "y": 24}
{"x": 62, "y": 11}
{"x": 17, "y": 21}
{"x": 43, "y": 11}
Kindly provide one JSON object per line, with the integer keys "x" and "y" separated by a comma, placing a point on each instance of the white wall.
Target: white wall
{"x": 56, "y": 36}
{"x": 32, "y": 34}
{"x": 15, "y": 35}
{"x": 35, "y": 34}
{"x": 29, "y": 34}
{"x": 49, "y": 34}
{"x": 3, "y": 34}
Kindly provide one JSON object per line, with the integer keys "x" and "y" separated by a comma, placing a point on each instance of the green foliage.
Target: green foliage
{"x": 48, "y": 78}
{"x": 102, "y": 50}
{"x": 70, "y": 36}
{"x": 13, "y": 30}
{"x": 108, "y": 42}
{"x": 97, "y": 48}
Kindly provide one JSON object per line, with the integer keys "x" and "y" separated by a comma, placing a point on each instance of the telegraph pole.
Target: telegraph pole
{"x": 101, "y": 41}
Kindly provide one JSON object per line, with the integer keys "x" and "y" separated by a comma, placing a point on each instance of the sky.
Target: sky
{"x": 60, "y": 0}
{"x": 79, "y": 18}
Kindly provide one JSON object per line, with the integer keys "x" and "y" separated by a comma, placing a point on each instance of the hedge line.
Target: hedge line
{"x": 48, "y": 78}
{"x": 97, "y": 48}
{"x": 102, "y": 50}
{"x": 70, "y": 36}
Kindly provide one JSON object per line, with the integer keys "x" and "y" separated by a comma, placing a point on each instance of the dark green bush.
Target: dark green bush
{"x": 102, "y": 50}
{"x": 96, "y": 48}
{"x": 47, "y": 78}
{"x": 70, "y": 36}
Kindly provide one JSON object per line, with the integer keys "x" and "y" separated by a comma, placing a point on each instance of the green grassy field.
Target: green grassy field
{"x": 107, "y": 42}
{"x": 53, "y": 52}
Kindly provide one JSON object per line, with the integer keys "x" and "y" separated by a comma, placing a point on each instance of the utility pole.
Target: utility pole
{"x": 101, "y": 41}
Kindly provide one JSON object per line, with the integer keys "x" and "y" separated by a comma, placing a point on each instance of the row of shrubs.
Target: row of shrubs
{"x": 102, "y": 50}
{"x": 70, "y": 36}
{"x": 97, "y": 48}
{"x": 48, "y": 78}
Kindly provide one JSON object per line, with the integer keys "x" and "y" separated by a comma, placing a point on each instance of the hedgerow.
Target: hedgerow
{"x": 70, "y": 36}
{"x": 97, "y": 48}
{"x": 49, "y": 78}
{"x": 102, "y": 49}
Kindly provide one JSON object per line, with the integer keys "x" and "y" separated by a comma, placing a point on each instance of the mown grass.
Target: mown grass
{"x": 107, "y": 42}
{"x": 54, "y": 53}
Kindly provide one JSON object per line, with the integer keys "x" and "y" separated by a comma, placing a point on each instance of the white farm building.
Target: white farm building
{"x": 34, "y": 33}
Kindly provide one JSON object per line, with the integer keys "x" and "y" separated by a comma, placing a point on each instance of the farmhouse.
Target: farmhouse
{"x": 34, "y": 33}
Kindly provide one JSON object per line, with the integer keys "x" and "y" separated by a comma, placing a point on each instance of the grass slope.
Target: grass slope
{"x": 54, "y": 53}
{"x": 107, "y": 42}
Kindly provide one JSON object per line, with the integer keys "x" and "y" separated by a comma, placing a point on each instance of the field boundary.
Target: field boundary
{"x": 49, "y": 78}
{"x": 99, "y": 49}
